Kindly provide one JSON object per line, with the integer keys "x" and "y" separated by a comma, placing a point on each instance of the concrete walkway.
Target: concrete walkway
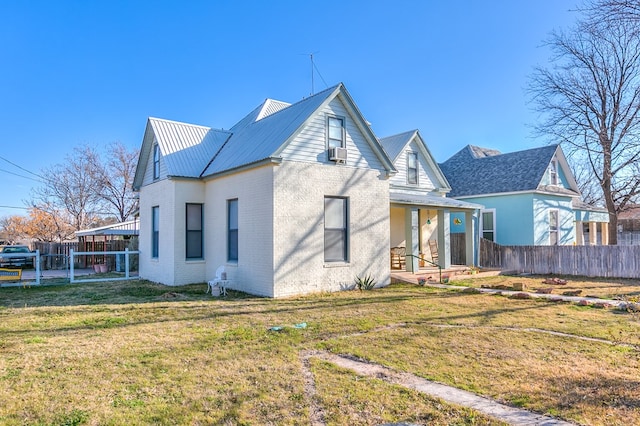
{"x": 491, "y": 408}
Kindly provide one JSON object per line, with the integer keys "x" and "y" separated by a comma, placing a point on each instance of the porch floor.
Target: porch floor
{"x": 426, "y": 272}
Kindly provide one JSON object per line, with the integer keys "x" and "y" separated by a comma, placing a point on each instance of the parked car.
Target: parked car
{"x": 15, "y": 259}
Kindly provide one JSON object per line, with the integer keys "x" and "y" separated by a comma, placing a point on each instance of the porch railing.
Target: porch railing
{"x": 430, "y": 263}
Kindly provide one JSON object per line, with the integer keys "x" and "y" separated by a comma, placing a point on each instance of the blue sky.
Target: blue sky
{"x": 89, "y": 72}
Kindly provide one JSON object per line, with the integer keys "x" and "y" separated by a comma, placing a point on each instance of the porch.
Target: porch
{"x": 428, "y": 229}
{"x": 430, "y": 274}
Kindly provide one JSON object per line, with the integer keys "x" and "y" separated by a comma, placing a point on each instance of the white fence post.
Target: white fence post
{"x": 71, "y": 265}
{"x": 126, "y": 262}
{"x": 37, "y": 267}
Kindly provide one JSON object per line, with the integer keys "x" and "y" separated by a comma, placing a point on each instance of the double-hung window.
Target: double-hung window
{"x": 335, "y": 132}
{"x": 194, "y": 231}
{"x": 336, "y": 220}
{"x": 412, "y": 168}
{"x": 156, "y": 161}
{"x": 553, "y": 227}
{"x": 553, "y": 172}
{"x": 232, "y": 230}
{"x": 155, "y": 231}
{"x": 488, "y": 224}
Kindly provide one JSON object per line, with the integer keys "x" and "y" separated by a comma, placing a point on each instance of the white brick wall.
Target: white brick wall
{"x": 253, "y": 273}
{"x": 159, "y": 194}
{"x": 171, "y": 266}
{"x": 300, "y": 189}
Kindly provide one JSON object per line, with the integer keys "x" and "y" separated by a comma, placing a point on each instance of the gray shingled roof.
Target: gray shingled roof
{"x": 476, "y": 171}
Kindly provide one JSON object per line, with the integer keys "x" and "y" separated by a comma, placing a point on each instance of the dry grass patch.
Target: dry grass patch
{"x": 125, "y": 353}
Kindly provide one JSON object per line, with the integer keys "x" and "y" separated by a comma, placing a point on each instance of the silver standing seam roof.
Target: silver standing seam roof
{"x": 432, "y": 201}
{"x": 194, "y": 151}
{"x": 131, "y": 227}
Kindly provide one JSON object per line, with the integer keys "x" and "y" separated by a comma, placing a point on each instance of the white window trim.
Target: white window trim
{"x": 415, "y": 155}
{"x": 557, "y": 229}
{"x": 553, "y": 173}
{"x": 343, "y": 142}
{"x": 156, "y": 161}
{"x": 493, "y": 212}
{"x": 347, "y": 231}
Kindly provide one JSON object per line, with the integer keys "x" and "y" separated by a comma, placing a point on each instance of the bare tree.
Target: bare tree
{"x": 589, "y": 99}
{"x": 116, "y": 176}
{"x": 72, "y": 189}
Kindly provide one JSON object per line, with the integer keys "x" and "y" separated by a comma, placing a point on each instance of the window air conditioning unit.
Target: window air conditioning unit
{"x": 338, "y": 154}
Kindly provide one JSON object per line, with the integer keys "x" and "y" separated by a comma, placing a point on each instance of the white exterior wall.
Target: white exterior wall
{"x": 310, "y": 145}
{"x": 171, "y": 266}
{"x": 187, "y": 271}
{"x": 253, "y": 273}
{"x": 148, "y": 171}
{"x": 299, "y": 190}
{"x": 159, "y": 194}
{"x": 425, "y": 175}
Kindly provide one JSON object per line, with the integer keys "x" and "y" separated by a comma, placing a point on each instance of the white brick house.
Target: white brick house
{"x": 266, "y": 200}
{"x": 293, "y": 199}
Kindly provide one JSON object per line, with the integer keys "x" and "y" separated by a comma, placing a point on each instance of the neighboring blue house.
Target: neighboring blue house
{"x": 530, "y": 197}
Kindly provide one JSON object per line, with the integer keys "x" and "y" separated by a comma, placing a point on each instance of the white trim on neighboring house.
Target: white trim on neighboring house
{"x": 553, "y": 172}
{"x": 493, "y": 229}
{"x": 557, "y": 227}
{"x": 500, "y": 194}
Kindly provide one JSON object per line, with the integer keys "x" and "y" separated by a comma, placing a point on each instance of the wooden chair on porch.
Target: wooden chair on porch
{"x": 433, "y": 248}
{"x": 398, "y": 257}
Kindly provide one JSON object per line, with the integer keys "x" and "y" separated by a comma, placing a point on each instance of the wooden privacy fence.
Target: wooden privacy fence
{"x": 590, "y": 261}
{"x": 56, "y": 255}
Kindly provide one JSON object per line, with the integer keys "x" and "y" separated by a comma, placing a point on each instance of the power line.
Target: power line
{"x": 20, "y": 167}
{"x": 19, "y": 175}
{"x": 14, "y": 207}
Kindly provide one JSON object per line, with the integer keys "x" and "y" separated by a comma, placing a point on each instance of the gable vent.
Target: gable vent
{"x": 338, "y": 154}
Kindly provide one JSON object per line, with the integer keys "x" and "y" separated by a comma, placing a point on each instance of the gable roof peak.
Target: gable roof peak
{"x": 480, "y": 152}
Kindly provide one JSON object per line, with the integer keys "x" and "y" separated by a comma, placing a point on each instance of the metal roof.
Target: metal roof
{"x": 268, "y": 107}
{"x": 131, "y": 227}
{"x": 394, "y": 144}
{"x": 260, "y": 139}
{"x": 197, "y": 151}
{"x": 431, "y": 201}
{"x": 186, "y": 148}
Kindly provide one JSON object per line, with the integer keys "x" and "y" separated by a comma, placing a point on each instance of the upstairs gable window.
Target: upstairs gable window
{"x": 335, "y": 132}
{"x": 412, "y": 168}
{"x": 156, "y": 161}
{"x": 553, "y": 172}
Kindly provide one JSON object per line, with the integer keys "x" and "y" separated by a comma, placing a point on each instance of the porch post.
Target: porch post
{"x": 579, "y": 233}
{"x": 444, "y": 242}
{"x": 469, "y": 238}
{"x": 411, "y": 223}
{"x": 604, "y": 226}
{"x": 593, "y": 233}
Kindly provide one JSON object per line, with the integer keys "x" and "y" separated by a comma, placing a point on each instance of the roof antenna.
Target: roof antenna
{"x": 312, "y": 67}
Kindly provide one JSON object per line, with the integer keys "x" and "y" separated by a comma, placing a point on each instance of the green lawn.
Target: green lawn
{"x": 139, "y": 353}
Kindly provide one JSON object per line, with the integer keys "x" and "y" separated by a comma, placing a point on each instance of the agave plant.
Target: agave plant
{"x": 365, "y": 283}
